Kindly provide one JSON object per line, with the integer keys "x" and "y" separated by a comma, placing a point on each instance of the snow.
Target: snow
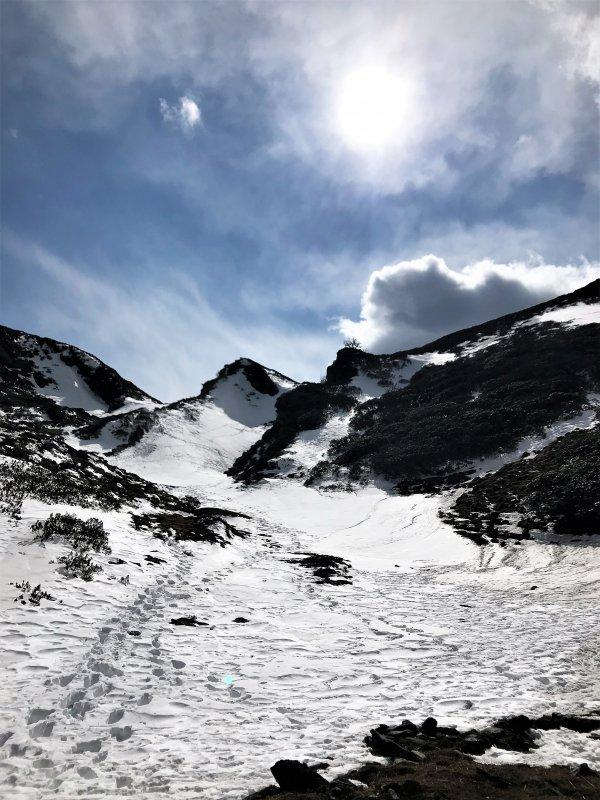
{"x": 555, "y": 747}
{"x": 210, "y": 709}
{"x": 242, "y": 403}
{"x": 69, "y": 387}
{"x": 369, "y": 387}
{"x": 311, "y": 446}
{"x": 577, "y": 314}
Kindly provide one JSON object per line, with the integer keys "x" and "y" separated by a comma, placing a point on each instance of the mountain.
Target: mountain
{"x": 267, "y": 570}
{"x": 35, "y": 370}
{"x": 177, "y": 442}
{"x": 483, "y": 391}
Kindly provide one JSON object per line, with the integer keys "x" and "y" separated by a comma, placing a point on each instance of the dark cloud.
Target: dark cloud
{"x": 413, "y": 302}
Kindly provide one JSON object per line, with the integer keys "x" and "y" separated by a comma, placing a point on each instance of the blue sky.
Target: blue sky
{"x": 185, "y": 183}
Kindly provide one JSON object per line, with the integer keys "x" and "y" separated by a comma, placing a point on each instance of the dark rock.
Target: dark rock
{"x": 382, "y": 745}
{"x": 263, "y": 794}
{"x": 241, "y": 619}
{"x": 294, "y": 776}
{"x": 155, "y": 560}
{"x": 134, "y": 633}
{"x": 404, "y": 790}
{"x": 406, "y": 723}
{"x": 429, "y": 727}
{"x": 585, "y": 770}
{"x": 366, "y": 772}
{"x": 342, "y": 789}
{"x": 190, "y": 621}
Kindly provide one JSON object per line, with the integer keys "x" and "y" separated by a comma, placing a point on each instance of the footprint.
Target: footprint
{"x": 38, "y": 714}
{"x": 87, "y": 772}
{"x": 145, "y": 699}
{"x": 43, "y": 763}
{"x": 42, "y": 729}
{"x": 115, "y": 715}
{"x": 105, "y": 669}
{"x": 121, "y": 734}
{"x": 93, "y": 746}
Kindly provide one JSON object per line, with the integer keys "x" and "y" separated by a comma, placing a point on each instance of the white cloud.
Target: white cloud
{"x": 185, "y": 113}
{"x": 413, "y": 302}
{"x": 485, "y": 79}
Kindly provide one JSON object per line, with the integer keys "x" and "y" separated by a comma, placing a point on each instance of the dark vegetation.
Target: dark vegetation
{"x": 82, "y": 536}
{"x": 424, "y": 437}
{"x": 557, "y": 490}
{"x": 197, "y": 525}
{"x": 29, "y": 595}
{"x": 350, "y": 358}
{"x": 304, "y": 408}
{"x": 327, "y": 569}
{"x": 188, "y": 622}
{"x": 433, "y": 762}
{"x": 20, "y": 354}
{"x": 79, "y": 534}
{"x": 44, "y": 467}
{"x": 78, "y": 564}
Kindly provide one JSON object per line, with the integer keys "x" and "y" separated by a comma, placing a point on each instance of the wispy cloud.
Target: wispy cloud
{"x": 168, "y": 339}
{"x": 412, "y": 302}
{"x": 185, "y": 113}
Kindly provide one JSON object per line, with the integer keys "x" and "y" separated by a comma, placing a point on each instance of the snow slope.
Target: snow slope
{"x": 203, "y": 712}
{"x": 207, "y": 432}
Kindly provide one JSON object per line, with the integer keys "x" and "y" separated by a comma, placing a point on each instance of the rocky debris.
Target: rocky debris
{"x": 327, "y": 569}
{"x": 194, "y": 525}
{"x": 295, "y": 776}
{"x": 518, "y": 733}
{"x": 435, "y": 762}
{"x": 189, "y": 622}
{"x": 450, "y": 775}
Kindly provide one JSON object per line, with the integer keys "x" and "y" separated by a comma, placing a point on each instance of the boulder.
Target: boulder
{"x": 295, "y": 776}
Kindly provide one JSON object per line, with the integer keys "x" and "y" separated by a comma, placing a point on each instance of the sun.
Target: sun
{"x": 373, "y": 107}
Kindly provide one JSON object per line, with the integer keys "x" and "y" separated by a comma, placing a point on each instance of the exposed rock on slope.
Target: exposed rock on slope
{"x": 423, "y": 419}
{"x": 47, "y": 390}
{"x": 557, "y": 489}
{"x": 38, "y": 368}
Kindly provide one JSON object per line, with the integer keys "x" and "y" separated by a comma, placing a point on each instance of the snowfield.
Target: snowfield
{"x": 431, "y": 624}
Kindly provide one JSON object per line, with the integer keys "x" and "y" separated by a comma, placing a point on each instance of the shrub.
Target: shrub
{"x": 78, "y": 565}
{"x": 80, "y": 534}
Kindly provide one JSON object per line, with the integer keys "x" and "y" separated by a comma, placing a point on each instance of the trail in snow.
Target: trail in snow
{"x": 202, "y": 712}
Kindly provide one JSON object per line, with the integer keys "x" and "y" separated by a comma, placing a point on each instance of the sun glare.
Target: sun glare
{"x": 373, "y": 108}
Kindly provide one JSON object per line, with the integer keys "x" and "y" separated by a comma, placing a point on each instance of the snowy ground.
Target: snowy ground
{"x": 432, "y": 624}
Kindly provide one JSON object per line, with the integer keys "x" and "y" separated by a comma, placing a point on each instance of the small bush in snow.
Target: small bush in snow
{"x": 80, "y": 534}
{"x": 78, "y": 565}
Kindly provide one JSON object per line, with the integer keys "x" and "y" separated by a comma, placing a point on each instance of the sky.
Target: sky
{"x": 187, "y": 183}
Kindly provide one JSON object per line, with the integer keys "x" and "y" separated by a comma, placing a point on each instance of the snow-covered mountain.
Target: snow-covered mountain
{"x": 191, "y": 591}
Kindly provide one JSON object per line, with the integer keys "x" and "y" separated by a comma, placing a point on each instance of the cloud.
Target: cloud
{"x": 185, "y": 114}
{"x": 168, "y": 339}
{"x": 413, "y": 302}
